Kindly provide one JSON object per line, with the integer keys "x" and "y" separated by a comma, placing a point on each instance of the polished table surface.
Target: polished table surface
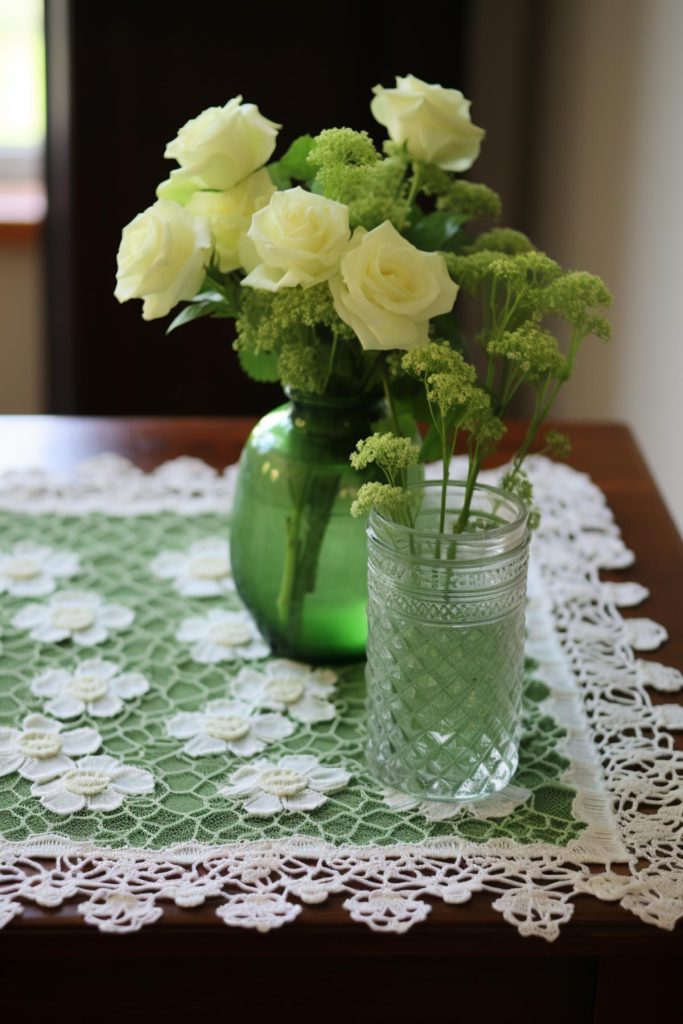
{"x": 598, "y": 931}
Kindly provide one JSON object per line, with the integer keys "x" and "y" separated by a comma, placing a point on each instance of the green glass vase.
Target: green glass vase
{"x": 299, "y": 558}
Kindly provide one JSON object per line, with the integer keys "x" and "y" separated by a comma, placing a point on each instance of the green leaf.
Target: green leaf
{"x": 189, "y": 313}
{"x": 295, "y": 161}
{"x": 260, "y": 366}
{"x": 431, "y": 446}
{"x": 445, "y": 327}
{"x": 279, "y": 176}
{"x": 438, "y": 232}
{"x": 293, "y": 165}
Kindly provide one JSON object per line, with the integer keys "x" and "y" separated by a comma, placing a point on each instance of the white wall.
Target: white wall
{"x": 21, "y": 313}
{"x": 610, "y": 200}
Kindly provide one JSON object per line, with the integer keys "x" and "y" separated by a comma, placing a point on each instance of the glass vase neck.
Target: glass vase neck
{"x": 497, "y": 525}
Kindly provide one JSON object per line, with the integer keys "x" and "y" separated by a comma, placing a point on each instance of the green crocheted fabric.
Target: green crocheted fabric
{"x": 185, "y": 806}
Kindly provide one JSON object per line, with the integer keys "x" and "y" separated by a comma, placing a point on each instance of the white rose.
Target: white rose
{"x": 229, "y": 214}
{"x": 387, "y": 290}
{"x": 300, "y": 238}
{"x": 162, "y": 257}
{"x": 222, "y": 146}
{"x": 434, "y": 122}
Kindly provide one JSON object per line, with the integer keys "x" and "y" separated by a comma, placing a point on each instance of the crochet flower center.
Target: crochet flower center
{"x": 86, "y": 781}
{"x": 286, "y": 689}
{"x": 40, "y": 745}
{"x": 210, "y": 568}
{"x": 282, "y": 782}
{"x": 73, "y": 617}
{"x": 230, "y": 634}
{"x": 22, "y": 569}
{"x": 227, "y": 727}
{"x": 87, "y": 688}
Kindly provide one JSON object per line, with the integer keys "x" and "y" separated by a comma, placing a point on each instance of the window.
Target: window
{"x": 22, "y": 110}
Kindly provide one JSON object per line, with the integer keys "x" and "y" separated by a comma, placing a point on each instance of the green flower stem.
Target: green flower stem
{"x": 414, "y": 183}
{"x": 312, "y": 504}
{"x": 472, "y": 474}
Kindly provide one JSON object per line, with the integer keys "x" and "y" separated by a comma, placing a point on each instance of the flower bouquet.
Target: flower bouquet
{"x": 340, "y": 265}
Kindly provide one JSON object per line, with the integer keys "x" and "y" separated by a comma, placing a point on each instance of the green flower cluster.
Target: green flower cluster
{"x": 349, "y": 170}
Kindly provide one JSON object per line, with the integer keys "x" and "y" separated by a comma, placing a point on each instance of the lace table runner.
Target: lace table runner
{"x": 151, "y": 750}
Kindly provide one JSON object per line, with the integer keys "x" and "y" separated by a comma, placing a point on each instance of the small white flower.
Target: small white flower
{"x": 201, "y": 571}
{"x": 284, "y": 685}
{"x": 96, "y": 687}
{"x": 32, "y": 570}
{"x": 78, "y": 615}
{"x": 223, "y": 636}
{"x": 228, "y": 725}
{"x": 41, "y": 750}
{"x": 297, "y": 782}
{"x": 95, "y": 783}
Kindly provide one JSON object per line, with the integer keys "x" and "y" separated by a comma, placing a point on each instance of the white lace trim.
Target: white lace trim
{"x": 627, "y": 775}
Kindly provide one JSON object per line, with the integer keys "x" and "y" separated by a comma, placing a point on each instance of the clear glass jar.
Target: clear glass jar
{"x": 446, "y": 644}
{"x": 299, "y": 558}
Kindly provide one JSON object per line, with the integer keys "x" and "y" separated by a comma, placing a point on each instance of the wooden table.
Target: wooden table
{"x": 463, "y": 959}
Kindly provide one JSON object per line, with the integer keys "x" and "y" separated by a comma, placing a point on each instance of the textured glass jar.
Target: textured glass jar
{"x": 299, "y": 558}
{"x": 446, "y": 645}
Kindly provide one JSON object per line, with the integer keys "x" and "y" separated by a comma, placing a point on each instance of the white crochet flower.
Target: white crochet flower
{"x": 201, "y": 571}
{"x": 95, "y": 783}
{"x": 32, "y": 570}
{"x": 283, "y": 685}
{"x": 223, "y": 636}
{"x": 41, "y": 750}
{"x": 297, "y": 782}
{"x": 78, "y": 615}
{"x": 228, "y": 725}
{"x": 96, "y": 687}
